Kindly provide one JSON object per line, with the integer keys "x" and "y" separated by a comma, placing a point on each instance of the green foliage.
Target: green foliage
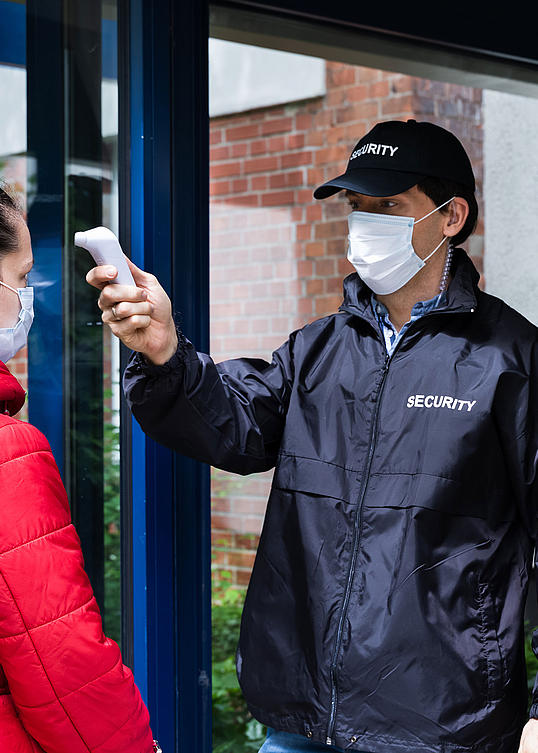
{"x": 111, "y": 520}
{"x": 234, "y": 729}
{"x": 530, "y": 660}
{"x": 112, "y": 526}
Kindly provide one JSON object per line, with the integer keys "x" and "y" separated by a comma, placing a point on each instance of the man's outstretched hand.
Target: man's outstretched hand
{"x": 140, "y": 316}
{"x": 529, "y": 737}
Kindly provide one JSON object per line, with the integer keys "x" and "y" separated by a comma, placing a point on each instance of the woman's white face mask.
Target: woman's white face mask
{"x": 380, "y": 249}
{"x": 12, "y": 339}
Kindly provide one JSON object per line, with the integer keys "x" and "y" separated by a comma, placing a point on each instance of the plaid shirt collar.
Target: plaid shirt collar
{"x": 390, "y": 336}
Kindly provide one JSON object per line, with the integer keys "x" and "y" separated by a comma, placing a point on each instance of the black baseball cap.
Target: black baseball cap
{"x": 396, "y": 155}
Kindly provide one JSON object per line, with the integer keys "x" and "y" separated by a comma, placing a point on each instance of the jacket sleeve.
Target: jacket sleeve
{"x": 516, "y": 415}
{"x": 230, "y": 415}
{"x": 66, "y": 678}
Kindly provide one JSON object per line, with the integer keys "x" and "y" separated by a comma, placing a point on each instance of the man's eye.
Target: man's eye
{"x": 354, "y": 206}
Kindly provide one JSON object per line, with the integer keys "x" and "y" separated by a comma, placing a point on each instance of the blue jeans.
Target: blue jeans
{"x": 284, "y": 742}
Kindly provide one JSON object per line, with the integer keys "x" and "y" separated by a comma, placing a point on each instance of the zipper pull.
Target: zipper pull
{"x": 328, "y": 741}
{"x": 384, "y": 370}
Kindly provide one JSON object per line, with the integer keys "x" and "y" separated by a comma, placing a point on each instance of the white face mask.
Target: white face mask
{"x": 12, "y": 339}
{"x": 380, "y": 249}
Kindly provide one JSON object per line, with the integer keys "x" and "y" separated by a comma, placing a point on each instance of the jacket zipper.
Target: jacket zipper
{"x": 358, "y": 518}
{"x": 356, "y": 541}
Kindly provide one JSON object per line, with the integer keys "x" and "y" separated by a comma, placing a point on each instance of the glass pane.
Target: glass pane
{"x": 278, "y": 257}
{"x": 91, "y": 353}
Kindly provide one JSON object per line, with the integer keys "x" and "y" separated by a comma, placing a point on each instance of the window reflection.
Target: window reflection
{"x": 91, "y": 354}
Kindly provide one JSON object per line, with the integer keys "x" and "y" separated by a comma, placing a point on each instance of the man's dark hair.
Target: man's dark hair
{"x": 440, "y": 190}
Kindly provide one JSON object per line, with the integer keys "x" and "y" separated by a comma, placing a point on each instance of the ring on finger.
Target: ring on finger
{"x": 116, "y": 317}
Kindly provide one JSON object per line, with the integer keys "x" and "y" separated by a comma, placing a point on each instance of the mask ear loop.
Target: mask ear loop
{"x": 8, "y": 287}
{"x": 435, "y": 249}
{"x": 14, "y": 290}
{"x": 448, "y": 260}
{"x": 435, "y": 210}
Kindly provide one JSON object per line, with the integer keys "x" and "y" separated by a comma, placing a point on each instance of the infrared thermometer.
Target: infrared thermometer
{"x": 105, "y": 249}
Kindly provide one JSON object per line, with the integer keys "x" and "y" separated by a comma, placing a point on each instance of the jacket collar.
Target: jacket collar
{"x": 12, "y": 395}
{"x": 461, "y": 295}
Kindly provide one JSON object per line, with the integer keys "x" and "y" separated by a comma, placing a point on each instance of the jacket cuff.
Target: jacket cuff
{"x": 533, "y": 711}
{"x": 152, "y": 369}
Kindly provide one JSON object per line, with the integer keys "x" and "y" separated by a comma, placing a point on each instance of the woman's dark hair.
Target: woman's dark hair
{"x": 440, "y": 190}
{"x": 10, "y": 214}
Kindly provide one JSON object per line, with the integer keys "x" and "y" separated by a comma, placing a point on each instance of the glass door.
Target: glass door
{"x": 71, "y": 114}
{"x": 91, "y": 354}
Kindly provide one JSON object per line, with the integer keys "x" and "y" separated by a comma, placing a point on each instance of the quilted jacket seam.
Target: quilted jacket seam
{"x": 90, "y": 682}
{"x": 110, "y": 737}
{"x": 38, "y": 656}
{"x": 15, "y": 422}
{"x": 44, "y": 451}
{"x": 29, "y": 630}
{"x": 37, "y": 538}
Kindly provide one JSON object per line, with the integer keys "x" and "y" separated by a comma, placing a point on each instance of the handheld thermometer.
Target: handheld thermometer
{"x": 105, "y": 249}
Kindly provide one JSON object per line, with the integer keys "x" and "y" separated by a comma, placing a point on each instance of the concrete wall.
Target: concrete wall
{"x": 243, "y": 77}
{"x": 13, "y": 109}
{"x": 510, "y": 197}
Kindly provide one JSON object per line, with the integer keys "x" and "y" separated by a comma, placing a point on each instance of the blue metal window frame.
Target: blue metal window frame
{"x": 168, "y": 126}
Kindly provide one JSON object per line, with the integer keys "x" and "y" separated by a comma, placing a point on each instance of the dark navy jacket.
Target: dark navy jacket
{"x": 385, "y": 609}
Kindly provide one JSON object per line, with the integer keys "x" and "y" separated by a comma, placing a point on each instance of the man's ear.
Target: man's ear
{"x": 457, "y": 214}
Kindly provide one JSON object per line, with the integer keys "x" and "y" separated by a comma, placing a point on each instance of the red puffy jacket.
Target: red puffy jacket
{"x": 63, "y": 687}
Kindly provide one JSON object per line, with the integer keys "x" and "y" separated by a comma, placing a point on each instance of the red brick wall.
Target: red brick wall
{"x": 278, "y": 256}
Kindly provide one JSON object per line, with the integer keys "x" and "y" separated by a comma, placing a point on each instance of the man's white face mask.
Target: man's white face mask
{"x": 12, "y": 339}
{"x": 380, "y": 249}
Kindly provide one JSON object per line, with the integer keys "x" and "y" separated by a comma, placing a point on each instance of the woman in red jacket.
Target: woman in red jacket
{"x": 63, "y": 686}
